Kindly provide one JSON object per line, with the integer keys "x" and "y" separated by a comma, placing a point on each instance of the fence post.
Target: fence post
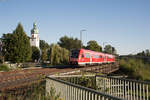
{"x": 137, "y": 92}
{"x": 134, "y": 89}
{"x": 140, "y": 93}
{"x": 147, "y": 92}
{"x": 131, "y": 90}
{"x": 125, "y": 88}
{"x": 143, "y": 91}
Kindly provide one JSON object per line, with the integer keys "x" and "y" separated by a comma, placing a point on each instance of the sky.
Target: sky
{"x": 124, "y": 24}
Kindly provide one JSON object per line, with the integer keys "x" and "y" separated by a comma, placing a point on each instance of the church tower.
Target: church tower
{"x": 34, "y": 40}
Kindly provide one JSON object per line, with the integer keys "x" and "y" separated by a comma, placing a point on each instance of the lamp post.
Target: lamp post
{"x": 81, "y": 36}
{"x": 104, "y": 45}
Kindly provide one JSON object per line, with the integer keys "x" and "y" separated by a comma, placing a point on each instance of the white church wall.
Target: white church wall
{"x": 34, "y": 40}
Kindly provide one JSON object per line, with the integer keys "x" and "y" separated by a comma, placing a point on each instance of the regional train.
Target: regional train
{"x": 83, "y": 57}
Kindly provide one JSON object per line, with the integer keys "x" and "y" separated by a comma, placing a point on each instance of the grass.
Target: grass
{"x": 34, "y": 91}
{"x": 4, "y": 67}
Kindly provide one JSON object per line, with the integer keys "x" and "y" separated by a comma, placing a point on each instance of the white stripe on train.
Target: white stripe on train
{"x": 83, "y": 63}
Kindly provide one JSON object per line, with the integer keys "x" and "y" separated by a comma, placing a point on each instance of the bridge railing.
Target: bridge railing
{"x": 70, "y": 91}
{"x": 106, "y": 69}
{"x": 123, "y": 88}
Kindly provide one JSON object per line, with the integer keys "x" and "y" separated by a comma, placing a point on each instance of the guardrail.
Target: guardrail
{"x": 70, "y": 91}
{"x": 106, "y": 69}
{"x": 124, "y": 88}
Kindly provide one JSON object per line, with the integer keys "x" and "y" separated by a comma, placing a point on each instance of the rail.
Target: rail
{"x": 70, "y": 91}
{"x": 105, "y": 69}
{"x": 124, "y": 88}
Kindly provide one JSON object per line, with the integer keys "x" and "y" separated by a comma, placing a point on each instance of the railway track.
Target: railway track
{"x": 18, "y": 78}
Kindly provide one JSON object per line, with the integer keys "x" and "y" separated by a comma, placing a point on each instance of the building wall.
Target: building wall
{"x": 34, "y": 42}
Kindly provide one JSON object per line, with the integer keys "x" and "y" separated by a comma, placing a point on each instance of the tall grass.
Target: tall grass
{"x": 35, "y": 91}
{"x": 4, "y": 67}
{"x": 135, "y": 68}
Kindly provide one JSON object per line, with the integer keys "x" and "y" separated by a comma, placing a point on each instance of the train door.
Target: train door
{"x": 90, "y": 59}
{"x": 105, "y": 59}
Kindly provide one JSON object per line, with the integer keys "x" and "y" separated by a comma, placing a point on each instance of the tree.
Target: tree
{"x": 43, "y": 45}
{"x": 35, "y": 53}
{"x": 114, "y": 51}
{"x": 144, "y": 53}
{"x": 93, "y": 45}
{"x": 17, "y": 45}
{"x": 7, "y": 41}
{"x": 141, "y": 53}
{"x": 44, "y": 55}
{"x": 147, "y": 52}
{"x": 109, "y": 49}
{"x": 69, "y": 43}
{"x": 58, "y": 55}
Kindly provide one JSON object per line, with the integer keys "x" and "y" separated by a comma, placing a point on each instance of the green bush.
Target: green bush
{"x": 135, "y": 68}
{"x": 58, "y": 55}
{"x": 4, "y": 67}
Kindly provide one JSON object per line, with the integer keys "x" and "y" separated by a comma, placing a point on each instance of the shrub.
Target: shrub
{"x": 4, "y": 67}
{"x": 135, "y": 68}
{"x": 58, "y": 55}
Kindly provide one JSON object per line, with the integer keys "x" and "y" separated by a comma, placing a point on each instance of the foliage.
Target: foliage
{"x": 109, "y": 49}
{"x": 4, "y": 67}
{"x": 52, "y": 94}
{"x": 144, "y": 53}
{"x": 58, "y": 55}
{"x": 69, "y": 43}
{"x": 135, "y": 68}
{"x": 87, "y": 82}
{"x": 1, "y": 59}
{"x": 35, "y": 53}
{"x": 93, "y": 45}
{"x": 8, "y": 42}
{"x": 35, "y": 90}
{"x": 43, "y": 45}
{"x": 44, "y": 55}
{"x": 17, "y": 45}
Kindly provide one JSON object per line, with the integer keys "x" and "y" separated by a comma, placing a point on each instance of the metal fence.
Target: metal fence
{"x": 123, "y": 88}
{"x": 70, "y": 91}
{"x": 106, "y": 69}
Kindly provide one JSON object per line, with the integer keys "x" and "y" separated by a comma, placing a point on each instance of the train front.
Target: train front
{"x": 73, "y": 58}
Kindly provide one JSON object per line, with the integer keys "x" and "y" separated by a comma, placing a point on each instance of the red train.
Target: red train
{"x": 85, "y": 57}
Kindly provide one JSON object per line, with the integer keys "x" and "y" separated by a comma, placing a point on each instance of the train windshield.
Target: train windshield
{"x": 75, "y": 53}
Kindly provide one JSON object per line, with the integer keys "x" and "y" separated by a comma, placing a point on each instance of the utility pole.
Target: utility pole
{"x": 81, "y": 36}
{"x": 104, "y": 45}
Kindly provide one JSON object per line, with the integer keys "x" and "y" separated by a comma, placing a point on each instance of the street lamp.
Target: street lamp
{"x": 81, "y": 36}
{"x": 104, "y": 45}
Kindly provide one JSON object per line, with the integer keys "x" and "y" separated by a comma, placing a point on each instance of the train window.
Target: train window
{"x": 100, "y": 56}
{"x": 75, "y": 53}
{"x": 82, "y": 55}
{"x": 88, "y": 55}
{"x": 95, "y": 56}
{"x": 85, "y": 55}
{"x": 109, "y": 57}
